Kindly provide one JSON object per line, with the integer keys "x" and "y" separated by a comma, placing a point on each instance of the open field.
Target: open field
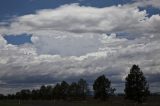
{"x": 118, "y": 101}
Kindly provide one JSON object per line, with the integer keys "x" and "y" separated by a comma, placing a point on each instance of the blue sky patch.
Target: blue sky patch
{"x": 10, "y": 8}
{"x": 150, "y": 10}
{"x": 18, "y": 40}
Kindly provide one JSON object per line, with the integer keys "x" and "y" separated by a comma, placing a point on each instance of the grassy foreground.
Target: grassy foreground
{"x": 118, "y": 101}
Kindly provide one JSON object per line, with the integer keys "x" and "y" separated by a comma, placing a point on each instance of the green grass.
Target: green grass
{"x": 152, "y": 101}
{"x": 50, "y": 103}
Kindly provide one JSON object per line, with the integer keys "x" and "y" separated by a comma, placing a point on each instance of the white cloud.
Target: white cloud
{"x": 70, "y": 42}
{"x": 2, "y": 41}
{"x": 113, "y": 58}
{"x": 154, "y": 3}
{"x": 80, "y": 19}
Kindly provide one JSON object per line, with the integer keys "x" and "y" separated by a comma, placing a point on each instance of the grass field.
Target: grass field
{"x": 118, "y": 101}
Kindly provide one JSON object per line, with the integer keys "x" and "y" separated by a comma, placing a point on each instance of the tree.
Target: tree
{"x": 102, "y": 88}
{"x": 57, "y": 91}
{"x": 24, "y": 94}
{"x": 49, "y": 92}
{"x": 43, "y": 93}
{"x": 2, "y": 97}
{"x": 136, "y": 86}
{"x": 83, "y": 88}
{"x": 64, "y": 90}
{"x": 73, "y": 90}
{"x": 35, "y": 94}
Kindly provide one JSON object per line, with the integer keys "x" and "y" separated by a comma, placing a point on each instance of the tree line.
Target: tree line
{"x": 61, "y": 91}
{"x": 136, "y": 89}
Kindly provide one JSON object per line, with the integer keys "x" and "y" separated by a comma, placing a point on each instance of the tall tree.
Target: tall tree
{"x": 24, "y": 94}
{"x": 49, "y": 91}
{"x": 73, "y": 90}
{"x": 136, "y": 86}
{"x": 83, "y": 88}
{"x": 35, "y": 94}
{"x": 2, "y": 97}
{"x": 64, "y": 90}
{"x": 43, "y": 92}
{"x": 57, "y": 91}
{"x": 102, "y": 88}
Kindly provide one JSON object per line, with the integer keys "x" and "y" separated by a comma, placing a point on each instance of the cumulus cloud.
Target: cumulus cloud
{"x": 72, "y": 42}
{"x": 2, "y": 42}
{"x": 143, "y": 3}
{"x": 113, "y": 58}
{"x": 80, "y": 19}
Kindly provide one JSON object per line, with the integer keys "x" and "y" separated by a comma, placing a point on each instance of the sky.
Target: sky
{"x": 48, "y": 41}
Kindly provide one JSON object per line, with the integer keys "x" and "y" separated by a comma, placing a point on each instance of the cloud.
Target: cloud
{"x": 2, "y": 42}
{"x": 81, "y": 19}
{"x": 72, "y": 42}
{"x": 143, "y": 3}
{"x": 23, "y": 65}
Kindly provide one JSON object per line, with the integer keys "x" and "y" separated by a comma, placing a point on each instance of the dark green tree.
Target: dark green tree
{"x": 43, "y": 92}
{"x": 35, "y": 94}
{"x": 11, "y": 96}
{"x": 136, "y": 86}
{"x": 64, "y": 90}
{"x": 73, "y": 90}
{"x": 2, "y": 97}
{"x": 102, "y": 88}
{"x": 57, "y": 91}
{"x": 24, "y": 94}
{"x": 83, "y": 89}
{"x": 49, "y": 91}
